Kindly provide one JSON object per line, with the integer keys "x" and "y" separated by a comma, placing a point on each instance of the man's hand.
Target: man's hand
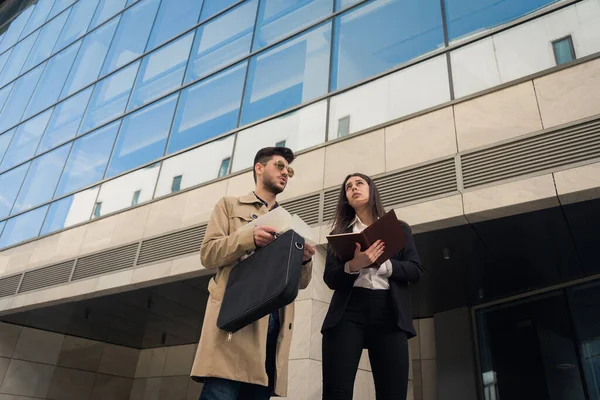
{"x": 263, "y": 235}
{"x": 309, "y": 251}
{"x": 368, "y": 257}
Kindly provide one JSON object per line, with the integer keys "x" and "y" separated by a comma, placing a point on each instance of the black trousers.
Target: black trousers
{"x": 367, "y": 322}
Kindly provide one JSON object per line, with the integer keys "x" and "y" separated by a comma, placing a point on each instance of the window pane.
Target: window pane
{"x": 143, "y": 136}
{"x": 42, "y": 9}
{"x": 466, "y": 16}
{"x": 15, "y": 28}
{"x": 195, "y": 166}
{"x": 299, "y": 130}
{"x": 4, "y": 92}
{"x": 52, "y": 80}
{"x": 26, "y": 140}
{"x": 219, "y": 99}
{"x": 2, "y": 223}
{"x": 105, "y": 10}
{"x": 15, "y": 63}
{"x": 176, "y": 184}
{"x": 88, "y": 159}
{"x": 65, "y": 120}
{"x": 224, "y": 167}
{"x": 70, "y": 211}
{"x": 339, "y": 4}
{"x": 23, "y": 227}
{"x": 60, "y": 5}
{"x": 46, "y": 41}
{"x": 4, "y": 58}
{"x": 10, "y": 183}
{"x": 563, "y": 51}
{"x": 212, "y": 7}
{"x": 132, "y": 35}
{"x": 287, "y": 75}
{"x": 89, "y": 60}
{"x": 222, "y": 41}
{"x": 109, "y": 98}
{"x": 5, "y": 139}
{"x": 41, "y": 179}
{"x": 116, "y": 195}
{"x": 19, "y": 97}
{"x": 376, "y": 37}
{"x": 78, "y": 22}
{"x": 174, "y": 17}
{"x": 278, "y": 18}
{"x": 161, "y": 71}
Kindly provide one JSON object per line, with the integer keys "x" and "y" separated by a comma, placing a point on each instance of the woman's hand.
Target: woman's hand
{"x": 368, "y": 257}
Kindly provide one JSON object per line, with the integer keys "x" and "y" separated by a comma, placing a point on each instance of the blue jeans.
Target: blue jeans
{"x": 225, "y": 389}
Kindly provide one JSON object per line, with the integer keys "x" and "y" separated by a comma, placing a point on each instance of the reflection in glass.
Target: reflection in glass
{"x": 65, "y": 120}
{"x": 4, "y": 58}
{"x": 26, "y": 140}
{"x": 5, "y": 139}
{"x": 174, "y": 17}
{"x": 116, "y": 195}
{"x": 10, "y": 183}
{"x": 109, "y": 98}
{"x": 70, "y": 211}
{"x": 41, "y": 180}
{"x": 289, "y": 74}
{"x": 18, "y": 55}
{"x": 377, "y": 36}
{"x": 60, "y": 5}
{"x": 78, "y": 22}
{"x": 222, "y": 40}
{"x": 195, "y": 166}
{"x": 40, "y": 13}
{"x": 89, "y": 59}
{"x": 88, "y": 159}
{"x": 19, "y": 97}
{"x": 132, "y": 35}
{"x": 105, "y": 10}
{"x": 52, "y": 80}
{"x": 298, "y": 130}
{"x": 212, "y": 7}
{"x": 279, "y": 18}
{"x": 208, "y": 108}
{"x": 42, "y": 49}
{"x": 2, "y": 223}
{"x": 15, "y": 28}
{"x": 143, "y": 136}
{"x": 161, "y": 71}
{"x": 339, "y": 4}
{"x": 23, "y": 227}
{"x": 4, "y": 92}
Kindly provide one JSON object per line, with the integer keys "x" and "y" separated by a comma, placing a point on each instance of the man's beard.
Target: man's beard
{"x": 272, "y": 187}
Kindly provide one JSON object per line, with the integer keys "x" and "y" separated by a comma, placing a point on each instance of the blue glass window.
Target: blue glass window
{"x": 42, "y": 178}
{"x": 466, "y": 16}
{"x": 288, "y": 74}
{"x": 222, "y": 41}
{"x": 70, "y": 211}
{"x": 40, "y": 13}
{"x": 26, "y": 140}
{"x": 143, "y": 136}
{"x": 109, "y": 98}
{"x": 5, "y": 139}
{"x": 277, "y": 18}
{"x": 212, "y": 7}
{"x": 174, "y": 17}
{"x": 19, "y": 98}
{"x": 219, "y": 99}
{"x": 132, "y": 35}
{"x": 4, "y": 92}
{"x": 42, "y": 49}
{"x": 78, "y": 22}
{"x": 161, "y": 71}
{"x": 23, "y": 227}
{"x": 2, "y": 223}
{"x": 4, "y": 58}
{"x": 59, "y": 6}
{"x": 130, "y": 2}
{"x": 105, "y": 10}
{"x": 52, "y": 80}
{"x": 15, "y": 29}
{"x": 65, "y": 120}
{"x": 88, "y": 159}
{"x": 10, "y": 183}
{"x": 339, "y": 4}
{"x": 378, "y": 36}
{"x": 564, "y": 51}
{"x": 17, "y": 59}
{"x": 89, "y": 59}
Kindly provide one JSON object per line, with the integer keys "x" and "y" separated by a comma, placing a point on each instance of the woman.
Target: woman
{"x": 371, "y": 305}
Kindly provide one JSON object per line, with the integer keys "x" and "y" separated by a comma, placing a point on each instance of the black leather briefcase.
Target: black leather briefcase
{"x": 262, "y": 283}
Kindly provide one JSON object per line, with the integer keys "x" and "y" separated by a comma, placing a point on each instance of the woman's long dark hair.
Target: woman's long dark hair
{"x": 345, "y": 214}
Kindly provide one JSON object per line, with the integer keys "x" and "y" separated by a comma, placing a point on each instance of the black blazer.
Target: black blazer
{"x": 406, "y": 270}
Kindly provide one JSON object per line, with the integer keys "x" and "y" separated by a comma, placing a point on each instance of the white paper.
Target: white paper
{"x": 281, "y": 220}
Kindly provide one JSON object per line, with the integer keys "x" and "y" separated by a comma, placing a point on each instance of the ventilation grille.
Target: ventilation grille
{"x": 329, "y": 204}
{"x": 47, "y": 276}
{"x": 172, "y": 245}
{"x": 107, "y": 261}
{"x": 307, "y": 208}
{"x": 8, "y": 286}
{"x": 534, "y": 154}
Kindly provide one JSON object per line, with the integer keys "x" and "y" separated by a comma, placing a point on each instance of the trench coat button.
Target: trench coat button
{"x": 254, "y": 216}
{"x": 290, "y": 325}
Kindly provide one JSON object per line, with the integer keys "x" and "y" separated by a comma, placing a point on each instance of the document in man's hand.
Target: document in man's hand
{"x": 387, "y": 229}
{"x": 281, "y": 220}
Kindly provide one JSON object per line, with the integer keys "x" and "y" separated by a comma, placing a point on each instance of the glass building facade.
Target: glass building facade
{"x": 106, "y": 104}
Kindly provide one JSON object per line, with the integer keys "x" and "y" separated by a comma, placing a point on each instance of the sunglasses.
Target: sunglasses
{"x": 281, "y": 165}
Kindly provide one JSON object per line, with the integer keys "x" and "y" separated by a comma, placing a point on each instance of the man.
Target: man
{"x": 253, "y": 362}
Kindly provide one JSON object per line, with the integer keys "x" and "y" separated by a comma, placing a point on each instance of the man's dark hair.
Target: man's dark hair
{"x": 266, "y": 154}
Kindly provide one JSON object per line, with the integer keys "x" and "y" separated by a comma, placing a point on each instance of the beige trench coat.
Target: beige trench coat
{"x": 242, "y": 358}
